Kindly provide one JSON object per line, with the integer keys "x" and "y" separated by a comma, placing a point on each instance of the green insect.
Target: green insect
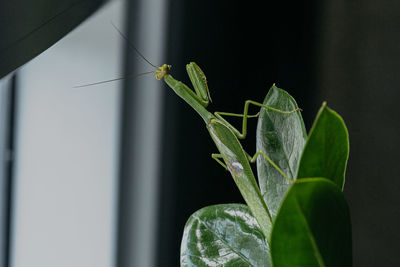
{"x": 225, "y": 137}
{"x": 231, "y": 153}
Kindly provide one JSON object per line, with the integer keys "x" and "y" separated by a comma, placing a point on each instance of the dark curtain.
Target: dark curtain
{"x": 345, "y": 52}
{"x": 357, "y": 72}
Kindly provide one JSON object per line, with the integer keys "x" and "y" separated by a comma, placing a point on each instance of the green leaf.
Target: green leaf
{"x": 224, "y": 235}
{"x": 282, "y": 138}
{"x": 312, "y": 227}
{"x": 327, "y": 148}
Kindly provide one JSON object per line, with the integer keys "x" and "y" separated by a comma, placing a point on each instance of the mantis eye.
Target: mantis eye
{"x": 166, "y": 68}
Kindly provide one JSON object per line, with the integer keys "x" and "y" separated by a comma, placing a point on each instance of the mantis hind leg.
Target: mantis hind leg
{"x": 253, "y": 159}
{"x": 245, "y": 116}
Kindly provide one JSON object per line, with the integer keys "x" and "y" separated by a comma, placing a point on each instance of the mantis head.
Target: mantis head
{"x": 163, "y": 70}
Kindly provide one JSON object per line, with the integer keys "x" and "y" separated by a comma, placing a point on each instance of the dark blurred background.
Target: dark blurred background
{"x": 344, "y": 52}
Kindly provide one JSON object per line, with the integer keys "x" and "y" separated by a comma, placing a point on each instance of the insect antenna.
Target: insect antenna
{"x": 132, "y": 46}
{"x": 116, "y": 79}
{"x": 129, "y": 76}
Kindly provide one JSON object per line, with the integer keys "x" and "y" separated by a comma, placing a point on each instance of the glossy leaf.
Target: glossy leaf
{"x": 282, "y": 138}
{"x": 224, "y": 235}
{"x": 312, "y": 227}
{"x": 327, "y": 148}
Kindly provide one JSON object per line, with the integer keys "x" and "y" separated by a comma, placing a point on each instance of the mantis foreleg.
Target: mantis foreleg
{"x": 245, "y": 115}
{"x": 199, "y": 82}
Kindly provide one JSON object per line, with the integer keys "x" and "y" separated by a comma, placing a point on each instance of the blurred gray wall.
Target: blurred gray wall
{"x": 142, "y": 126}
{"x": 67, "y": 149}
{"x": 6, "y": 150}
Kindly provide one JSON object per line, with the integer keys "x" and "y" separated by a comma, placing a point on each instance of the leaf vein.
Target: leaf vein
{"x": 224, "y": 242}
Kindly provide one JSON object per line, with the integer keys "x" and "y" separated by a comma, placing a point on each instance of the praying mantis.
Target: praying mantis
{"x": 226, "y": 137}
